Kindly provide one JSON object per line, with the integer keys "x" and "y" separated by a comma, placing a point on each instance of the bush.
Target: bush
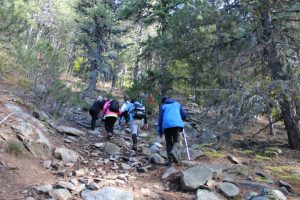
{"x": 14, "y": 147}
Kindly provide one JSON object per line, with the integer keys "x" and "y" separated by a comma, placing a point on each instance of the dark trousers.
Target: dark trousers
{"x": 171, "y": 136}
{"x": 94, "y": 116}
{"x": 109, "y": 124}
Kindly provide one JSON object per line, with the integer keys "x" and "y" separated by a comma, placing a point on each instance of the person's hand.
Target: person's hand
{"x": 145, "y": 126}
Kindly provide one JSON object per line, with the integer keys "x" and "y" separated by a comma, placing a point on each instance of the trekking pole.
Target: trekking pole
{"x": 186, "y": 145}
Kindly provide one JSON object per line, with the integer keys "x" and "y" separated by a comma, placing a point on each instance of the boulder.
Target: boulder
{"x": 107, "y": 193}
{"x": 67, "y": 155}
{"x": 39, "y": 149}
{"x": 157, "y": 159}
{"x": 207, "y": 195}
{"x": 228, "y": 189}
{"x": 196, "y": 176}
{"x": 69, "y": 130}
{"x": 112, "y": 149}
{"x": 60, "y": 194}
{"x": 194, "y": 154}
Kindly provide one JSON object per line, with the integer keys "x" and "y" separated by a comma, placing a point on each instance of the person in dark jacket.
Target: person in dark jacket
{"x": 95, "y": 110}
{"x": 170, "y": 123}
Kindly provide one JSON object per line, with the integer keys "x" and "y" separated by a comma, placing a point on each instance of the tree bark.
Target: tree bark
{"x": 290, "y": 120}
{"x": 92, "y": 81}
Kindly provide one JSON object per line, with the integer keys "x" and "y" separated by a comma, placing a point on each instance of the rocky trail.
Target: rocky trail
{"x": 65, "y": 160}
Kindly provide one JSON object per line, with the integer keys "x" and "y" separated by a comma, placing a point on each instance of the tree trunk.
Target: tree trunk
{"x": 92, "y": 82}
{"x": 290, "y": 120}
{"x": 137, "y": 65}
{"x": 291, "y": 124}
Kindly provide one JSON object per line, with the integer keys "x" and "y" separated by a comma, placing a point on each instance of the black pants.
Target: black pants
{"x": 94, "y": 118}
{"x": 171, "y": 136}
{"x": 109, "y": 124}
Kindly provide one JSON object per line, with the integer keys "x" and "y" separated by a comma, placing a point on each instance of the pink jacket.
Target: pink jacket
{"x": 107, "y": 113}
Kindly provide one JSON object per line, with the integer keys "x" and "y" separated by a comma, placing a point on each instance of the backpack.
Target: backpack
{"x": 114, "y": 106}
{"x": 139, "y": 111}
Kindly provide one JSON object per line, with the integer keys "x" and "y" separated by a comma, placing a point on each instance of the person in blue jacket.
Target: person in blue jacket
{"x": 170, "y": 123}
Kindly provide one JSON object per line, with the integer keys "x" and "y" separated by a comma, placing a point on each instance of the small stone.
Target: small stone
{"x": 67, "y": 155}
{"x": 69, "y": 164}
{"x": 47, "y": 164}
{"x": 233, "y": 159}
{"x": 60, "y": 194}
{"x": 107, "y": 193}
{"x": 126, "y": 167}
{"x": 250, "y": 195}
{"x": 80, "y": 172}
{"x": 158, "y": 145}
{"x": 146, "y": 151}
{"x": 207, "y": 195}
{"x": 30, "y": 198}
{"x": 43, "y": 188}
{"x": 277, "y": 194}
{"x": 86, "y": 181}
{"x": 170, "y": 171}
{"x": 112, "y": 149}
{"x": 194, "y": 177}
{"x": 66, "y": 185}
{"x": 211, "y": 184}
{"x": 74, "y": 181}
{"x": 95, "y": 154}
{"x": 66, "y": 140}
{"x": 100, "y": 145}
{"x": 286, "y": 185}
{"x": 228, "y": 189}
{"x": 94, "y": 186}
{"x": 69, "y": 130}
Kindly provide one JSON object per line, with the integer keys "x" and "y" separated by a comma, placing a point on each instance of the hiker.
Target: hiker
{"x": 95, "y": 110}
{"x": 138, "y": 120}
{"x": 170, "y": 123}
{"x": 124, "y": 117}
{"x": 110, "y": 113}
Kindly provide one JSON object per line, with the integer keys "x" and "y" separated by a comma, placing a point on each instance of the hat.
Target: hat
{"x": 100, "y": 98}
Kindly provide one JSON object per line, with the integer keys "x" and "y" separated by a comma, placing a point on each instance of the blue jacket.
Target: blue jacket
{"x": 171, "y": 115}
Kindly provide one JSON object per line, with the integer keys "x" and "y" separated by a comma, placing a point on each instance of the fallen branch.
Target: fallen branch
{"x": 268, "y": 125}
{"x": 5, "y": 118}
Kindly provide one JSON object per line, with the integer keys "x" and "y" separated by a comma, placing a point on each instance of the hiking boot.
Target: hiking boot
{"x": 134, "y": 142}
{"x": 174, "y": 153}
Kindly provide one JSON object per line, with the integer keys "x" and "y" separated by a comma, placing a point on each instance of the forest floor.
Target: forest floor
{"x": 264, "y": 160}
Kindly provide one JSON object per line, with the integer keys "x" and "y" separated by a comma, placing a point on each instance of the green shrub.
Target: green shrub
{"x": 14, "y": 147}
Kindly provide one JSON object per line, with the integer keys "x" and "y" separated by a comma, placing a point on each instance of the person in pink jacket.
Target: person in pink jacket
{"x": 110, "y": 113}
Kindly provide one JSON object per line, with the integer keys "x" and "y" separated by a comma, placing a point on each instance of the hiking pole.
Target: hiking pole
{"x": 186, "y": 145}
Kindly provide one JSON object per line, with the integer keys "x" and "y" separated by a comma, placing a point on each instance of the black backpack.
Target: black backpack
{"x": 114, "y": 106}
{"x": 139, "y": 111}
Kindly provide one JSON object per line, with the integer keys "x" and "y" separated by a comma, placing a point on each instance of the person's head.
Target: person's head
{"x": 104, "y": 99}
{"x": 132, "y": 101}
{"x": 100, "y": 98}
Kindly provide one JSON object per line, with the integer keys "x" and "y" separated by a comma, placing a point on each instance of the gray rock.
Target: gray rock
{"x": 41, "y": 115}
{"x": 194, "y": 154}
{"x": 47, "y": 164}
{"x": 60, "y": 194}
{"x": 107, "y": 193}
{"x": 146, "y": 151}
{"x": 100, "y": 145}
{"x": 286, "y": 185}
{"x": 43, "y": 188}
{"x": 278, "y": 195}
{"x": 112, "y": 149}
{"x": 206, "y": 138}
{"x": 228, "y": 189}
{"x": 163, "y": 153}
{"x": 196, "y": 176}
{"x": 67, "y": 155}
{"x": 80, "y": 172}
{"x": 86, "y": 181}
{"x": 66, "y": 185}
{"x": 233, "y": 159}
{"x": 69, "y": 130}
{"x": 251, "y": 195}
{"x": 159, "y": 145}
{"x": 126, "y": 167}
{"x": 260, "y": 198}
{"x": 154, "y": 149}
{"x": 170, "y": 171}
{"x": 157, "y": 159}
{"x": 94, "y": 186}
{"x": 207, "y": 195}
{"x": 247, "y": 184}
{"x": 39, "y": 149}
